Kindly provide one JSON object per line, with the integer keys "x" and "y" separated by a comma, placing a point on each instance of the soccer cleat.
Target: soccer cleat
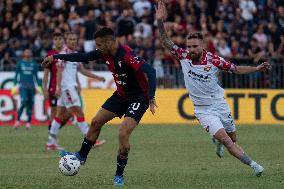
{"x": 258, "y": 169}
{"x": 99, "y": 143}
{"x": 17, "y": 125}
{"x": 63, "y": 153}
{"x": 54, "y": 146}
{"x": 28, "y": 126}
{"x": 219, "y": 148}
{"x": 118, "y": 181}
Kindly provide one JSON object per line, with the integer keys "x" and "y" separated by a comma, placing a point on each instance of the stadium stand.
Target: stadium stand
{"x": 248, "y": 32}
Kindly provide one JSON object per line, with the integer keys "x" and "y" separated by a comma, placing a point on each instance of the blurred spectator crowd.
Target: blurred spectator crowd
{"x": 249, "y": 30}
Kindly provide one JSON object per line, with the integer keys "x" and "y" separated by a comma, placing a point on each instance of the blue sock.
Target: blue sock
{"x": 121, "y": 163}
{"x": 85, "y": 148}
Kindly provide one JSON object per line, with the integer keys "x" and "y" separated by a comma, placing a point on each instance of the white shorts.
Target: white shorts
{"x": 215, "y": 117}
{"x": 69, "y": 98}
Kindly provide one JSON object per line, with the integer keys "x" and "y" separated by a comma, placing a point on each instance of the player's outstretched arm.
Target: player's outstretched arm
{"x": 88, "y": 73}
{"x": 161, "y": 14}
{"x": 264, "y": 67}
{"x": 73, "y": 57}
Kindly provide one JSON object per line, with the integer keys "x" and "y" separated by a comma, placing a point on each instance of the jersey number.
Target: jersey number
{"x": 135, "y": 106}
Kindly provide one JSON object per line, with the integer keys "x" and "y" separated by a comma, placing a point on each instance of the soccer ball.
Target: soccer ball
{"x": 69, "y": 165}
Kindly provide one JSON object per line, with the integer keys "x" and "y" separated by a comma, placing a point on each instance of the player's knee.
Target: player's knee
{"x": 58, "y": 118}
{"x": 234, "y": 139}
{"x": 227, "y": 142}
{"x": 233, "y": 136}
{"x": 79, "y": 113}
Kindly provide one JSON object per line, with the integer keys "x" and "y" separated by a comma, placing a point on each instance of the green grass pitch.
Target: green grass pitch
{"x": 163, "y": 157}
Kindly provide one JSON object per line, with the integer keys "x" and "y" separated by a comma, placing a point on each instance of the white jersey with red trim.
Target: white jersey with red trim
{"x": 69, "y": 72}
{"x": 201, "y": 79}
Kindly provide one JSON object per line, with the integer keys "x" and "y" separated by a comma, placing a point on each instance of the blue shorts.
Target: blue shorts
{"x": 133, "y": 107}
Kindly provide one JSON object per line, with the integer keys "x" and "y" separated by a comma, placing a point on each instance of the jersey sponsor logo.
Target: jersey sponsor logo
{"x": 199, "y": 77}
{"x": 27, "y": 70}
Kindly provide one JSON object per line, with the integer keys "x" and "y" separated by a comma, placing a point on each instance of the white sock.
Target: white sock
{"x": 253, "y": 163}
{"x": 83, "y": 126}
{"x": 54, "y": 129}
{"x": 51, "y": 139}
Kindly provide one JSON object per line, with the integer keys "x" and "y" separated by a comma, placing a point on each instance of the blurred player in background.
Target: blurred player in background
{"x": 201, "y": 70}
{"x": 26, "y": 76}
{"x": 135, "y": 92}
{"x": 68, "y": 94}
{"x": 49, "y": 81}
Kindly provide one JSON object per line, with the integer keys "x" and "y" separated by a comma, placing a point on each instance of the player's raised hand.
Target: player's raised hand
{"x": 46, "y": 61}
{"x": 153, "y": 106}
{"x": 264, "y": 67}
{"x": 161, "y": 11}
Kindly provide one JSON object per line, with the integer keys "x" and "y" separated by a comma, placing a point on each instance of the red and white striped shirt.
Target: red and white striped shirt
{"x": 201, "y": 79}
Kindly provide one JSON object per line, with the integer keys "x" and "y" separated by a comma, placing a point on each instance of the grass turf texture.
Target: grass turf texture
{"x": 166, "y": 157}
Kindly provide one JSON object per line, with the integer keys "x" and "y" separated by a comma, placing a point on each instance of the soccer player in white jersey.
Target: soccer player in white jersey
{"x": 67, "y": 91}
{"x": 201, "y": 70}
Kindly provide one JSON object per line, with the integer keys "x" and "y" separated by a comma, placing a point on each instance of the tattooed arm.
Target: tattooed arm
{"x": 160, "y": 16}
